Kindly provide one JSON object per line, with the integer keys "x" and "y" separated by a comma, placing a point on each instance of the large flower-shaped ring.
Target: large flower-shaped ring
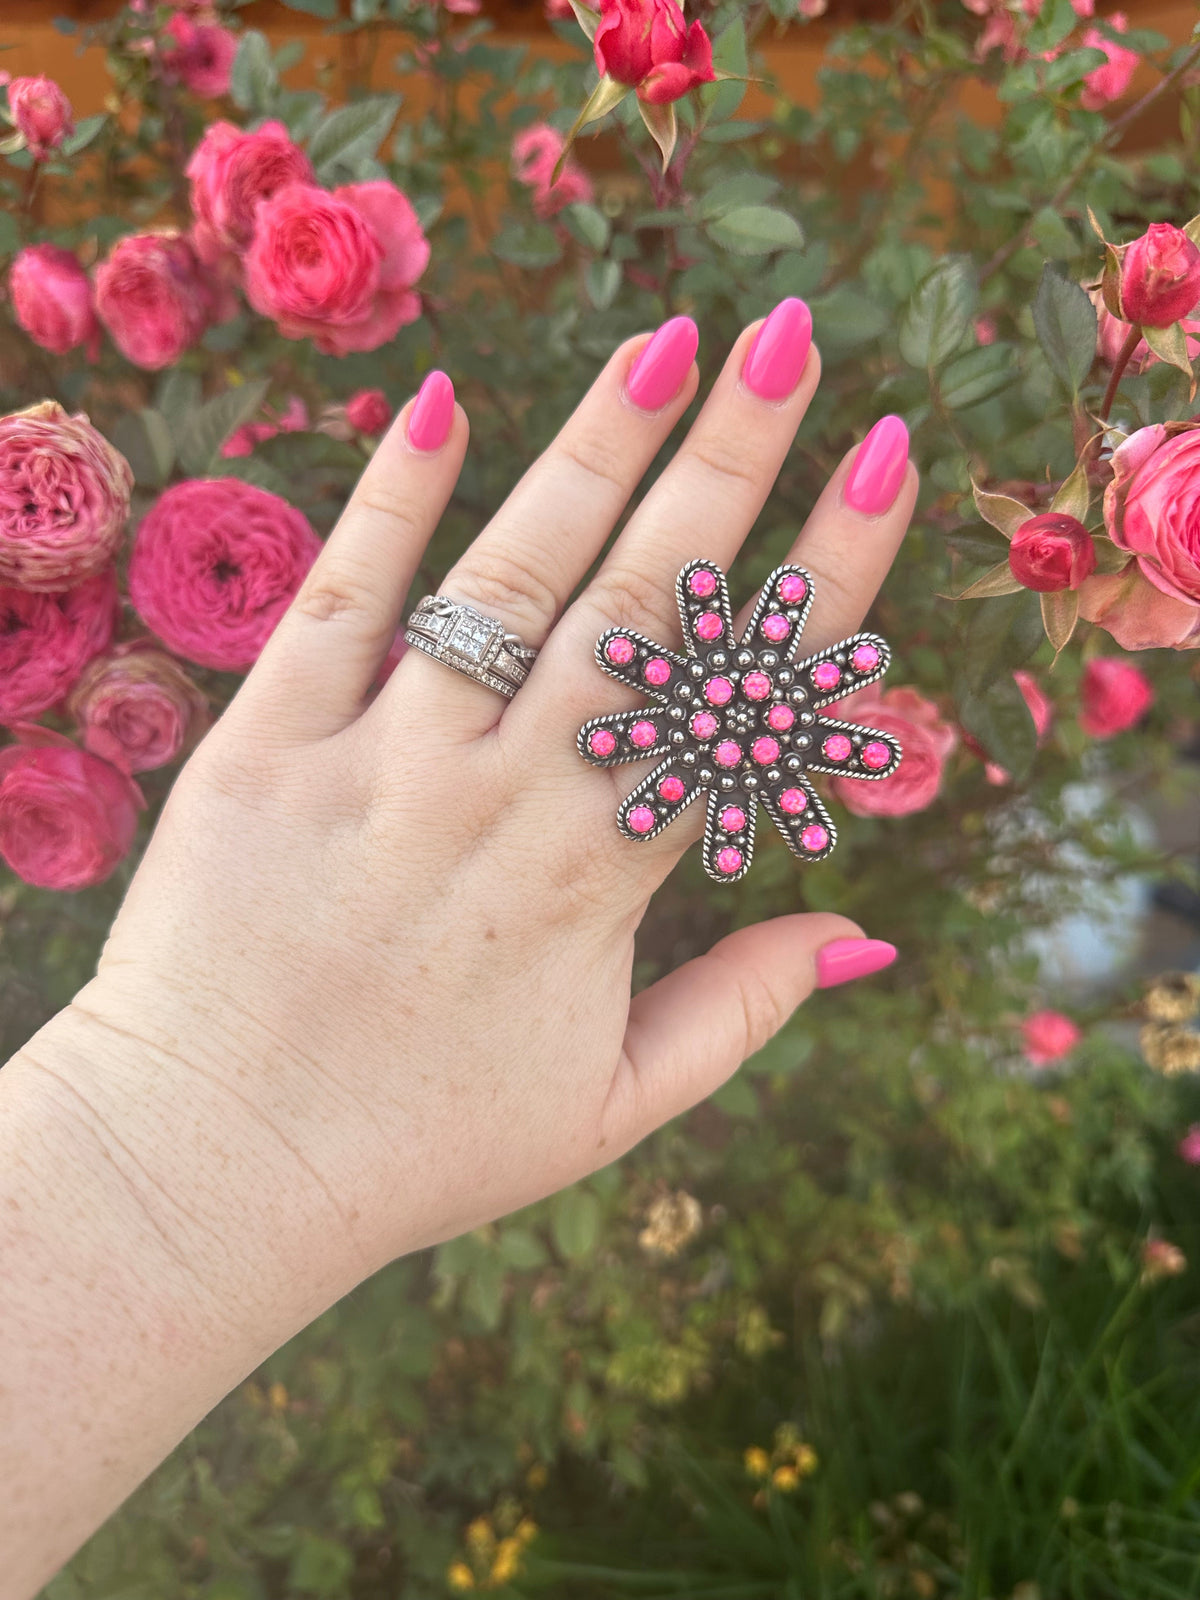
{"x": 740, "y": 719}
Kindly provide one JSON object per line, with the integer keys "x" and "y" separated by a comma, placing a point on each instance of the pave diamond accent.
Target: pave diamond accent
{"x": 473, "y": 637}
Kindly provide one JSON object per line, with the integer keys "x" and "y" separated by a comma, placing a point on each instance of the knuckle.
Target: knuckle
{"x": 727, "y": 462}
{"x": 336, "y": 590}
{"x": 504, "y": 584}
{"x": 630, "y": 597}
{"x": 764, "y": 1010}
{"x": 380, "y": 501}
{"x": 596, "y": 459}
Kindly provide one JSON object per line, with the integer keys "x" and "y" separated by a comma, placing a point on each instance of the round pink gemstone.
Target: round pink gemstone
{"x": 728, "y": 753}
{"x": 643, "y": 734}
{"x": 718, "y": 691}
{"x": 703, "y": 582}
{"x": 876, "y": 755}
{"x": 728, "y": 859}
{"x": 757, "y": 685}
{"x": 704, "y": 725}
{"x": 792, "y": 588}
{"x": 865, "y": 658}
{"x": 793, "y": 801}
{"x": 672, "y": 789}
{"x": 709, "y": 625}
{"x": 619, "y": 650}
{"x": 776, "y": 627}
{"x": 602, "y": 742}
{"x": 733, "y": 819}
{"x": 765, "y": 750}
{"x": 641, "y": 819}
{"x": 656, "y": 670}
{"x": 828, "y": 675}
{"x": 781, "y": 718}
{"x": 837, "y": 747}
{"x": 814, "y": 837}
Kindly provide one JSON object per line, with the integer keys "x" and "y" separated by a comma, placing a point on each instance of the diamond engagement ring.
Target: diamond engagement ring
{"x": 471, "y": 642}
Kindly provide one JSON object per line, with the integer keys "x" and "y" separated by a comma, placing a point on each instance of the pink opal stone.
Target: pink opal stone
{"x": 728, "y": 859}
{"x": 733, "y": 819}
{"x": 837, "y": 747}
{"x": 728, "y": 753}
{"x": 704, "y": 725}
{"x": 602, "y": 742}
{"x": 718, "y": 691}
{"x": 780, "y": 718}
{"x": 757, "y": 685}
{"x": 619, "y": 650}
{"x": 703, "y": 583}
{"x": 792, "y": 588}
{"x": 765, "y": 750}
{"x": 793, "y": 801}
{"x": 709, "y": 625}
{"x": 828, "y": 675}
{"x": 656, "y": 670}
{"x": 814, "y": 837}
{"x": 776, "y": 627}
{"x": 865, "y": 658}
{"x": 641, "y": 819}
{"x": 672, "y": 789}
{"x": 643, "y": 734}
{"x": 876, "y": 755}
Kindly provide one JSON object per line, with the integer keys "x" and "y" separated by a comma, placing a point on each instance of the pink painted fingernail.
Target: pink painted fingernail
{"x": 878, "y": 469}
{"x": 844, "y": 959}
{"x": 772, "y": 368}
{"x": 432, "y": 413}
{"x": 663, "y": 364}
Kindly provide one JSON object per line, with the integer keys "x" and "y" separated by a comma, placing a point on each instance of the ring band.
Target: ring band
{"x": 478, "y": 646}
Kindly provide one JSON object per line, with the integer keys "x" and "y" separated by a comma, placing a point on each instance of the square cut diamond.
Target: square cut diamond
{"x": 472, "y": 637}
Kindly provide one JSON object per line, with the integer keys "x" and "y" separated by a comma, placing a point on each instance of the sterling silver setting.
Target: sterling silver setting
{"x": 739, "y": 719}
{"x": 478, "y": 646}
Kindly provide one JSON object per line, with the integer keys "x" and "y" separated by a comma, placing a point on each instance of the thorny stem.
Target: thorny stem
{"x": 1132, "y": 339}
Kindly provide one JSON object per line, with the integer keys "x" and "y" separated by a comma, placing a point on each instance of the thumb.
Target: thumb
{"x": 691, "y": 1030}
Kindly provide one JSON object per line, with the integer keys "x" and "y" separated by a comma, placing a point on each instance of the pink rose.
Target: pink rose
{"x": 52, "y": 300}
{"x": 46, "y": 640}
{"x": 215, "y": 565}
{"x": 1109, "y": 82}
{"x": 1160, "y": 277}
{"x": 152, "y": 297}
{"x": 42, "y": 113}
{"x": 1048, "y": 1036}
{"x": 200, "y": 55}
{"x": 557, "y": 10}
{"x": 231, "y": 170}
{"x": 1050, "y": 552}
{"x": 137, "y": 707}
{"x": 368, "y": 411}
{"x": 1162, "y": 1259}
{"x": 535, "y": 152}
{"x": 293, "y": 419}
{"x": 64, "y": 498}
{"x": 926, "y": 742}
{"x": 1189, "y": 1145}
{"x": 337, "y": 268}
{"x": 66, "y": 816}
{"x": 1115, "y": 696}
{"x": 1152, "y": 505}
{"x": 1139, "y": 616}
{"x": 1111, "y": 334}
{"x": 647, "y": 44}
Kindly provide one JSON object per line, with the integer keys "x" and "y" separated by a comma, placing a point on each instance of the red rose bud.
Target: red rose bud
{"x": 42, "y": 113}
{"x": 648, "y": 45}
{"x": 1053, "y": 551}
{"x": 1160, "y": 277}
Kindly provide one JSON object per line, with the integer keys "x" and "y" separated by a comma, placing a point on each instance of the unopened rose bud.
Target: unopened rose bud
{"x": 1051, "y": 551}
{"x": 42, "y": 112}
{"x": 1160, "y": 277}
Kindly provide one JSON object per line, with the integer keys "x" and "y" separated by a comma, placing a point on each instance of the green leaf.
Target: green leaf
{"x": 179, "y": 397}
{"x": 981, "y": 546}
{"x": 1109, "y": 557}
{"x": 319, "y": 1566}
{"x": 522, "y": 1250}
{"x": 976, "y": 376}
{"x": 1053, "y": 235}
{"x": 755, "y": 231}
{"x": 1074, "y": 498}
{"x": 1192, "y": 229}
{"x": 1001, "y": 510}
{"x": 200, "y": 447}
{"x": 1065, "y": 322}
{"x": 747, "y": 188}
{"x": 721, "y": 100}
{"x": 736, "y": 1097}
{"x": 253, "y": 80}
{"x": 587, "y": 224}
{"x": 997, "y": 637}
{"x": 87, "y": 129}
{"x": 1050, "y": 27}
{"x": 1060, "y": 613}
{"x": 253, "y": 469}
{"x": 1170, "y": 345}
{"x": 602, "y": 279}
{"x": 998, "y": 580}
{"x": 576, "y": 1223}
{"x": 351, "y": 134}
{"x": 662, "y": 126}
{"x": 528, "y": 244}
{"x": 1002, "y": 723}
{"x": 314, "y": 8}
{"x": 10, "y": 234}
{"x": 939, "y": 314}
{"x": 587, "y": 19}
{"x": 483, "y": 1292}
{"x": 144, "y": 439}
{"x": 845, "y": 318}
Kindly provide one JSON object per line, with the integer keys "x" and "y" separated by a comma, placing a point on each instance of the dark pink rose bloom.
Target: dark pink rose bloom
{"x": 1048, "y": 1037}
{"x": 368, "y": 411}
{"x": 926, "y": 743}
{"x": 293, "y": 419}
{"x": 648, "y": 45}
{"x": 232, "y": 169}
{"x": 1137, "y": 614}
{"x": 1160, "y": 277}
{"x": 137, "y": 707}
{"x": 42, "y": 113}
{"x": 1110, "y": 81}
{"x": 1189, "y": 1145}
{"x": 46, "y": 640}
{"x": 64, "y": 498}
{"x": 52, "y": 299}
{"x": 1115, "y": 694}
{"x": 152, "y": 296}
{"x": 1152, "y": 505}
{"x": 215, "y": 565}
{"x": 1051, "y": 552}
{"x": 200, "y": 55}
{"x": 535, "y": 153}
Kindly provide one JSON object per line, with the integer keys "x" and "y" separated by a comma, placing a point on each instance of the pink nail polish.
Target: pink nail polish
{"x": 776, "y": 359}
{"x": 432, "y": 413}
{"x": 663, "y": 364}
{"x": 878, "y": 470}
{"x": 844, "y": 959}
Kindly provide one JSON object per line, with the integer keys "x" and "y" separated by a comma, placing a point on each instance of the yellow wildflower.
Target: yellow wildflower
{"x": 460, "y": 1576}
{"x": 278, "y": 1396}
{"x": 526, "y": 1530}
{"x": 758, "y": 1462}
{"x": 537, "y": 1477}
{"x": 480, "y": 1534}
{"x": 806, "y": 1460}
{"x": 508, "y": 1560}
{"x": 785, "y": 1479}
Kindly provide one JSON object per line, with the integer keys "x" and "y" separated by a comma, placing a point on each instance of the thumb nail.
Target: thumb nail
{"x": 844, "y": 959}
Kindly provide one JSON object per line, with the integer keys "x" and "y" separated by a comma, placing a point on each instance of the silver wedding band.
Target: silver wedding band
{"x": 478, "y": 646}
